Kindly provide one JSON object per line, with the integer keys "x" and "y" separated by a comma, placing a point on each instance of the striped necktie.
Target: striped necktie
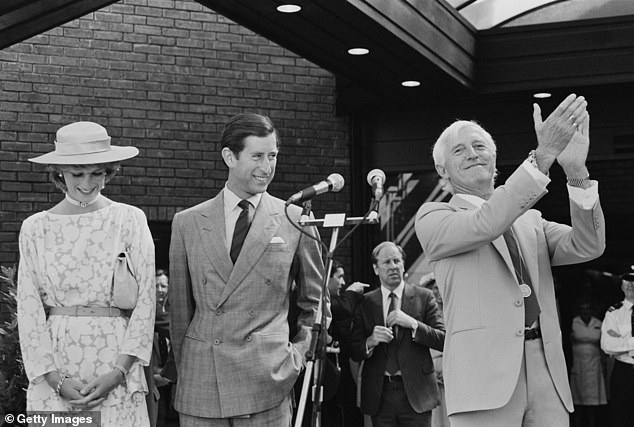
{"x": 241, "y": 230}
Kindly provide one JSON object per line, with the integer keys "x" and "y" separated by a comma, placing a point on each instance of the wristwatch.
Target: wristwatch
{"x": 578, "y": 182}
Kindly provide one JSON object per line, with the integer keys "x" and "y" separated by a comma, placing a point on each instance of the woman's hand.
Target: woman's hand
{"x": 96, "y": 391}
{"x": 71, "y": 389}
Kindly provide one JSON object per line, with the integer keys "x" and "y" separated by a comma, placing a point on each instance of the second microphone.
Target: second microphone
{"x": 333, "y": 183}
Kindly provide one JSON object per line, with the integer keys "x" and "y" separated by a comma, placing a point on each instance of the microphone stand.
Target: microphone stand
{"x": 317, "y": 350}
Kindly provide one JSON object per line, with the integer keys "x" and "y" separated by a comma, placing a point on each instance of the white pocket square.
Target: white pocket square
{"x": 277, "y": 239}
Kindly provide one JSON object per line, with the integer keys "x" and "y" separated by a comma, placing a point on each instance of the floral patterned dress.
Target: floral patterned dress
{"x": 68, "y": 260}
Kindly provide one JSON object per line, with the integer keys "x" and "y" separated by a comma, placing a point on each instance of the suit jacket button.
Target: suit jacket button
{"x": 251, "y": 313}
{"x": 219, "y": 312}
{"x": 518, "y": 303}
{"x": 520, "y": 332}
{"x": 248, "y": 337}
{"x": 216, "y": 341}
{"x": 268, "y": 282}
{"x": 205, "y": 281}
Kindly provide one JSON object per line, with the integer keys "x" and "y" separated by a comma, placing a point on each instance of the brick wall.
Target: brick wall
{"x": 163, "y": 76}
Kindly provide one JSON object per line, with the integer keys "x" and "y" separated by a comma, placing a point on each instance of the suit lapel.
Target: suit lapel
{"x": 499, "y": 244}
{"x": 266, "y": 222}
{"x": 407, "y": 307}
{"x": 377, "y": 307}
{"x": 376, "y": 300}
{"x": 211, "y": 222}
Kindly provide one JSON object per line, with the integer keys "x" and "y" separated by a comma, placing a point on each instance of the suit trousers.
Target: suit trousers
{"x": 395, "y": 409}
{"x": 534, "y": 402}
{"x": 278, "y": 416}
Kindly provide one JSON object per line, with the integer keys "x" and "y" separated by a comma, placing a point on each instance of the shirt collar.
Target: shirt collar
{"x": 232, "y": 200}
{"x": 385, "y": 292}
{"x": 477, "y": 201}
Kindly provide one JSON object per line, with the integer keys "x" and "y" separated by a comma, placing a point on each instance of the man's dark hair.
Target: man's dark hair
{"x": 335, "y": 265}
{"x": 243, "y": 125}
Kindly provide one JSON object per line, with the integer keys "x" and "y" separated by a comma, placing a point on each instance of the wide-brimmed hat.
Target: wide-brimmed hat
{"x": 84, "y": 143}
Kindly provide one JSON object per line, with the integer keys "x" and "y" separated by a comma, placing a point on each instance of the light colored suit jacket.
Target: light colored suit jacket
{"x": 228, "y": 323}
{"x": 483, "y": 306}
{"x": 415, "y": 362}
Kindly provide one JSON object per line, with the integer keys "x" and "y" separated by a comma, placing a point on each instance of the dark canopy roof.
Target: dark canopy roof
{"x": 454, "y": 48}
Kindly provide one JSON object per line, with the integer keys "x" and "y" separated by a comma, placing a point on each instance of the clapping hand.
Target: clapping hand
{"x": 573, "y": 158}
{"x": 555, "y": 133}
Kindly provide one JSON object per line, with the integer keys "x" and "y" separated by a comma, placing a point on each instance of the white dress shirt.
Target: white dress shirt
{"x": 385, "y": 296}
{"x": 616, "y": 333}
{"x": 232, "y": 211}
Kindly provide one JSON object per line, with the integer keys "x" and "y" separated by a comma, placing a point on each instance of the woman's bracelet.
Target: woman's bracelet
{"x": 58, "y": 389}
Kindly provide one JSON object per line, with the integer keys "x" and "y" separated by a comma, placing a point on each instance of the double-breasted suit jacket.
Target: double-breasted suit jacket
{"x": 483, "y": 305}
{"x": 415, "y": 362}
{"x": 228, "y": 324}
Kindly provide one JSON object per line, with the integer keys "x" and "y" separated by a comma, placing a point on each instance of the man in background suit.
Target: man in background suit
{"x": 394, "y": 327}
{"x": 233, "y": 260}
{"x": 492, "y": 254}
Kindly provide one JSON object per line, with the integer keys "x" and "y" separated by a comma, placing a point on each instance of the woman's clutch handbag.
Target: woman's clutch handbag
{"x": 125, "y": 289}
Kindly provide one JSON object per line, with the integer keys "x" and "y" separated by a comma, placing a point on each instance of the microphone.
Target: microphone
{"x": 333, "y": 183}
{"x": 376, "y": 179}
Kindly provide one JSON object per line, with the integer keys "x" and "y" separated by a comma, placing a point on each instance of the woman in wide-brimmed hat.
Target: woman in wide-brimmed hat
{"x": 82, "y": 348}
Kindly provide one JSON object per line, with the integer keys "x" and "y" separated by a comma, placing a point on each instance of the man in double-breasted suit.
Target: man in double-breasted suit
{"x": 492, "y": 254}
{"x": 394, "y": 327}
{"x": 229, "y": 300}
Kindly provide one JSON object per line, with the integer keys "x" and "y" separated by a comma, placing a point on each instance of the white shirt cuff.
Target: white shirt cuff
{"x": 586, "y": 198}
{"x": 536, "y": 174}
{"x": 368, "y": 350}
{"x": 414, "y": 328}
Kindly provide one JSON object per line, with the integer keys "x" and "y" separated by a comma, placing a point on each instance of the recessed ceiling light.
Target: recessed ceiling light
{"x": 410, "y": 83}
{"x": 541, "y": 95}
{"x": 358, "y": 51}
{"x": 289, "y": 8}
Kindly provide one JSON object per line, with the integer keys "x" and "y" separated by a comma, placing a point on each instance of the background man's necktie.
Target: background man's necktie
{"x": 241, "y": 230}
{"x": 531, "y": 306}
{"x": 392, "y": 348}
